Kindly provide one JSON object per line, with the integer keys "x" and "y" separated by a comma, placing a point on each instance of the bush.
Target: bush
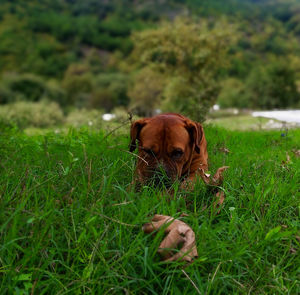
{"x": 121, "y": 114}
{"x": 103, "y": 98}
{"x": 233, "y": 94}
{"x": 5, "y": 94}
{"x": 146, "y": 91}
{"x": 104, "y": 91}
{"x": 31, "y": 114}
{"x": 273, "y": 86}
{"x": 189, "y": 56}
{"x": 84, "y": 117}
{"x": 78, "y": 84}
{"x": 116, "y": 84}
{"x": 28, "y": 87}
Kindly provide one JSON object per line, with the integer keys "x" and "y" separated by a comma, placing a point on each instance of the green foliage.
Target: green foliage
{"x": 270, "y": 86}
{"x": 146, "y": 91}
{"x": 45, "y": 38}
{"x": 34, "y": 114}
{"x": 104, "y": 91}
{"x": 190, "y": 56}
{"x": 77, "y": 83}
{"x": 83, "y": 117}
{"x": 273, "y": 86}
{"x": 70, "y": 223}
{"x": 115, "y": 84}
{"x": 233, "y": 94}
{"x": 28, "y": 87}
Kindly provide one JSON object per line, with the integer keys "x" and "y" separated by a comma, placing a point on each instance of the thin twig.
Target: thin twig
{"x": 216, "y": 272}
{"x": 128, "y": 120}
{"x": 240, "y": 284}
{"x": 135, "y": 156}
{"x": 191, "y": 281}
{"x": 123, "y": 203}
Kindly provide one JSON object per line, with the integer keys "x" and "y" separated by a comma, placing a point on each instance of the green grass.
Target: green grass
{"x": 70, "y": 224}
{"x": 240, "y": 122}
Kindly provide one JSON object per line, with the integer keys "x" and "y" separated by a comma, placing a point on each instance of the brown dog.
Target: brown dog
{"x": 170, "y": 143}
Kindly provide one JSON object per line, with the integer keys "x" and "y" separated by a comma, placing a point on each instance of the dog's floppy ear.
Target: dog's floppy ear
{"x": 135, "y": 130}
{"x": 196, "y": 133}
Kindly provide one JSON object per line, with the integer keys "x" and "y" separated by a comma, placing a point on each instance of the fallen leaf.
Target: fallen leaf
{"x": 184, "y": 215}
{"x": 284, "y": 164}
{"x": 220, "y": 199}
{"x": 216, "y": 180}
{"x": 178, "y": 233}
{"x": 224, "y": 150}
{"x": 296, "y": 153}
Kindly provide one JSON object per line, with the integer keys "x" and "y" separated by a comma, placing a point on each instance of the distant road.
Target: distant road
{"x": 291, "y": 116}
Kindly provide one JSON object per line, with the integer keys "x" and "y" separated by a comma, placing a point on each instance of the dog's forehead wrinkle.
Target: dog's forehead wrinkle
{"x": 176, "y": 138}
{"x": 151, "y": 140}
{"x": 167, "y": 131}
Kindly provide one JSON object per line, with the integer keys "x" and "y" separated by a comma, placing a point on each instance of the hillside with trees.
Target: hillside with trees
{"x": 91, "y": 53}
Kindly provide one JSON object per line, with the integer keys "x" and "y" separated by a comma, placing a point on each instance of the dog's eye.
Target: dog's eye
{"x": 176, "y": 154}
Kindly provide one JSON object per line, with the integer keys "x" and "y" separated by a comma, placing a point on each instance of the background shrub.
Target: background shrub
{"x": 31, "y": 114}
{"x": 114, "y": 87}
{"x": 273, "y": 86}
{"x": 29, "y": 87}
{"x": 189, "y": 55}
{"x": 84, "y": 117}
{"x": 233, "y": 94}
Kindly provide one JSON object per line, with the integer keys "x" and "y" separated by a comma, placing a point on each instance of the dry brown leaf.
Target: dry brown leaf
{"x": 296, "y": 153}
{"x": 220, "y": 199}
{"x": 217, "y": 179}
{"x": 184, "y": 215}
{"x": 288, "y": 160}
{"x": 224, "y": 150}
{"x": 178, "y": 233}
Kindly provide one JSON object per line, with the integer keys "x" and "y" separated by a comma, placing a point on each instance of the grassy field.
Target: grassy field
{"x": 70, "y": 224}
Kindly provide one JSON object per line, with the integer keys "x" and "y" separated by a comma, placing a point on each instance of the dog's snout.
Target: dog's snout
{"x": 164, "y": 169}
{"x": 163, "y": 174}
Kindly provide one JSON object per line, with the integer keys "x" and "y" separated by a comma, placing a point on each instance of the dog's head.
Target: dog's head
{"x": 166, "y": 145}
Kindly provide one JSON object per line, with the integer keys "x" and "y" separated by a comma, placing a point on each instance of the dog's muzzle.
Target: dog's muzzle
{"x": 163, "y": 175}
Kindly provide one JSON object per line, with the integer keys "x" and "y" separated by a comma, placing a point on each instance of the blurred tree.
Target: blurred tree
{"x": 45, "y": 37}
{"x": 104, "y": 91}
{"x": 273, "y": 86}
{"x": 29, "y": 87}
{"x": 189, "y": 55}
{"x": 233, "y": 94}
{"x": 146, "y": 91}
{"x": 77, "y": 83}
{"x": 36, "y": 114}
{"x": 110, "y": 91}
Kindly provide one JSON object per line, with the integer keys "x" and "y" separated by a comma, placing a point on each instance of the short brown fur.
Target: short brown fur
{"x": 171, "y": 141}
